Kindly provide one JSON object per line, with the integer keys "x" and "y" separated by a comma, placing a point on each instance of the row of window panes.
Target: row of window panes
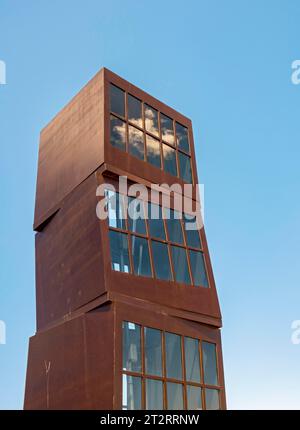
{"x": 161, "y": 251}
{"x": 120, "y": 259}
{"x": 137, "y": 213}
{"x": 152, "y": 150}
{"x": 145, "y": 146}
{"x": 163, "y": 359}
{"x": 154, "y": 395}
{"x": 151, "y": 116}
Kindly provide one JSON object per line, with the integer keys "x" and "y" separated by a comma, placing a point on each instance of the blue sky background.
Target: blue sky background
{"x": 227, "y": 66}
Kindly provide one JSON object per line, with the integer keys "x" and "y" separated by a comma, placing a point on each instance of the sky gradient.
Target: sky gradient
{"x": 227, "y": 66}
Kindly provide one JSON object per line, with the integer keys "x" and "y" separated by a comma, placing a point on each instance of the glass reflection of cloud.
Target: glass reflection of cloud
{"x": 169, "y": 152}
{"x": 151, "y": 120}
{"x": 135, "y": 136}
{"x": 117, "y": 133}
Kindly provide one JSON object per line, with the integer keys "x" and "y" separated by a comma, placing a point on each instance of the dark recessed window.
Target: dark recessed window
{"x": 198, "y": 268}
{"x": 153, "y": 151}
{"x": 192, "y": 361}
{"x": 136, "y": 142}
{"x": 117, "y": 100}
{"x": 174, "y": 226}
{"x": 173, "y": 355}
{"x": 115, "y": 209}
{"x": 174, "y": 396}
{"x": 151, "y": 119}
{"x": 117, "y": 133}
{"x": 154, "y": 394}
{"x": 167, "y": 131}
{"x": 153, "y": 352}
{"x": 169, "y": 160}
{"x": 194, "y": 398}
{"x": 135, "y": 111}
{"x": 209, "y": 363}
{"x": 131, "y": 347}
{"x": 132, "y": 393}
{"x": 185, "y": 167}
{"x": 119, "y": 251}
{"x": 191, "y": 231}
{"x": 155, "y": 221}
{"x": 180, "y": 265}
{"x": 136, "y": 216}
{"x": 182, "y": 138}
{"x": 212, "y": 399}
{"x": 161, "y": 261}
{"x": 140, "y": 256}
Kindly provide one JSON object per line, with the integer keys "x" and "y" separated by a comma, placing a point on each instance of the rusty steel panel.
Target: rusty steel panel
{"x": 70, "y": 366}
{"x": 69, "y": 258}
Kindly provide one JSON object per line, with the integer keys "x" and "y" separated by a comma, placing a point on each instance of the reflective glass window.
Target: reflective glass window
{"x": 180, "y": 265}
{"x": 131, "y": 334}
{"x": 117, "y": 133}
{"x": 135, "y": 111}
{"x": 182, "y": 138}
{"x": 151, "y": 119}
{"x": 198, "y": 268}
{"x": 136, "y": 142}
{"x": 117, "y": 100}
{"x": 140, "y": 256}
{"x": 119, "y": 251}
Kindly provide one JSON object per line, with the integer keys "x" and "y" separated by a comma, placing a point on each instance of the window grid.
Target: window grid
{"x": 157, "y": 137}
{"x": 166, "y": 241}
{"x": 164, "y": 379}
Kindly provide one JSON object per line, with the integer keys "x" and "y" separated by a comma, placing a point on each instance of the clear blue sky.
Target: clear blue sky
{"x": 227, "y": 66}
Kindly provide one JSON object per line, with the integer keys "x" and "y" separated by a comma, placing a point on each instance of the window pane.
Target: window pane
{"x": 161, "y": 260}
{"x": 192, "y": 362}
{"x": 209, "y": 363}
{"x": 173, "y": 355}
{"x": 140, "y": 255}
{"x": 117, "y": 133}
{"x": 151, "y": 119}
{"x": 119, "y": 251}
{"x": 191, "y": 231}
{"x": 153, "y": 151}
{"x": 153, "y": 352}
{"x": 117, "y": 100}
{"x": 212, "y": 399}
{"x": 135, "y": 111}
{"x": 174, "y": 395}
{"x": 155, "y": 221}
{"x": 182, "y": 138}
{"x": 167, "y": 132}
{"x": 198, "y": 269}
{"x": 185, "y": 167}
{"x": 136, "y": 216}
{"x": 180, "y": 265}
{"x": 174, "y": 226}
{"x": 136, "y": 142}
{"x": 131, "y": 334}
{"x": 132, "y": 393}
{"x": 169, "y": 160}
{"x": 154, "y": 394}
{"x": 194, "y": 399}
{"x": 115, "y": 209}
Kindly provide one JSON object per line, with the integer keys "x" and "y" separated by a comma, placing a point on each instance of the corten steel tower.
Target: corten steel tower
{"x": 127, "y": 311}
